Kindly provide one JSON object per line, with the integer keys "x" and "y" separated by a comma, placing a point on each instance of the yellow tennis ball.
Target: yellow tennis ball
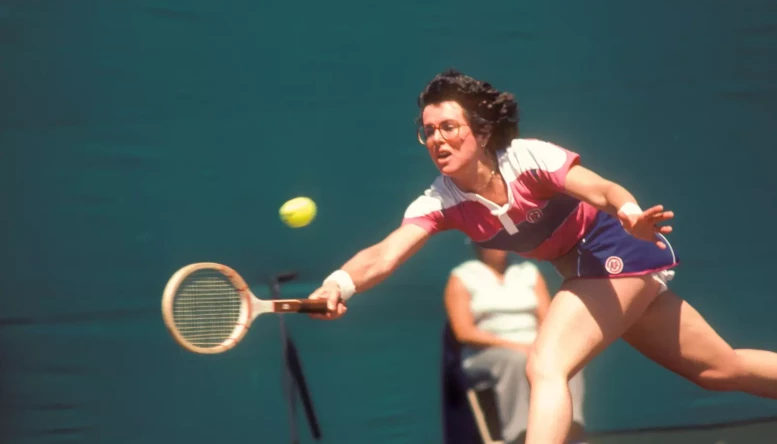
{"x": 298, "y": 212}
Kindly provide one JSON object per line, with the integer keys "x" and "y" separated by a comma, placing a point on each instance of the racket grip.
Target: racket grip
{"x": 300, "y": 306}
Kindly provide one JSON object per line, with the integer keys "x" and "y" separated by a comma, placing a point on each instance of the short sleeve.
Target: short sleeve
{"x": 543, "y": 163}
{"x": 426, "y": 212}
{"x": 529, "y": 273}
{"x": 467, "y": 273}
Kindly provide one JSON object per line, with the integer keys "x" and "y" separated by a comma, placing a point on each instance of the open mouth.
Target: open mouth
{"x": 443, "y": 155}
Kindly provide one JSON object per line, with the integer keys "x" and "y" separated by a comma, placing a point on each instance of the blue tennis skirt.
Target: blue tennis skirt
{"x": 607, "y": 250}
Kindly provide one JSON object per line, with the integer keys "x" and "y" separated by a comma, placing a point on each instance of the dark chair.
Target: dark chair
{"x": 469, "y": 413}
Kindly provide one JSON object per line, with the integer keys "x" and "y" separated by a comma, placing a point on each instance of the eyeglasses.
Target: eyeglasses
{"x": 449, "y": 129}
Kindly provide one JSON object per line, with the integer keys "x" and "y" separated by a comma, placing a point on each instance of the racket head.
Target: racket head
{"x": 206, "y": 307}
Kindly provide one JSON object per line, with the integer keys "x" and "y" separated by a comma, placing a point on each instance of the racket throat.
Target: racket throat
{"x": 259, "y": 307}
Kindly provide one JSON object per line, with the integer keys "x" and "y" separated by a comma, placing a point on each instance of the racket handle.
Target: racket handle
{"x": 300, "y": 306}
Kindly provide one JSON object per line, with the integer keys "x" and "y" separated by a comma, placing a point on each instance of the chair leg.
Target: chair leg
{"x": 480, "y": 419}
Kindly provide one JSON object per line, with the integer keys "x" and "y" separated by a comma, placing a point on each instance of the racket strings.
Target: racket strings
{"x": 206, "y": 308}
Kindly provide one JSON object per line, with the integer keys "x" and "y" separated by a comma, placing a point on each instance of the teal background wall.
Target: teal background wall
{"x": 142, "y": 135}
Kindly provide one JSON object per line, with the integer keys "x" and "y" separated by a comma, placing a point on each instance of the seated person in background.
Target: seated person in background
{"x": 495, "y": 309}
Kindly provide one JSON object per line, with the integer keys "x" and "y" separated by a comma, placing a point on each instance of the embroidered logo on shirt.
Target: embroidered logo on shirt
{"x": 534, "y": 216}
{"x": 613, "y": 265}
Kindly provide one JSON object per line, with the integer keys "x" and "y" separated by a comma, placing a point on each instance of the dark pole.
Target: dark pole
{"x": 293, "y": 377}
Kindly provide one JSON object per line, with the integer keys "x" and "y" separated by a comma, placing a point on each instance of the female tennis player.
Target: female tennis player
{"x": 536, "y": 199}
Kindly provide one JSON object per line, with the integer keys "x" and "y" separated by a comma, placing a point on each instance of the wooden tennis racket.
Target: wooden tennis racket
{"x": 208, "y": 307}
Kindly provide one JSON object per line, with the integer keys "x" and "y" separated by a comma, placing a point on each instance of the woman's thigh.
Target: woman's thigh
{"x": 586, "y": 316}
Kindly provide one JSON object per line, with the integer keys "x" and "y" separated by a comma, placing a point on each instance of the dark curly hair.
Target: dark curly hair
{"x": 486, "y": 108}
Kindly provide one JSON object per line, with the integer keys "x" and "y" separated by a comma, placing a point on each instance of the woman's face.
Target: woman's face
{"x": 448, "y": 137}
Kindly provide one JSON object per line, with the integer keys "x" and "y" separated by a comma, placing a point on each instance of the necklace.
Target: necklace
{"x": 490, "y": 178}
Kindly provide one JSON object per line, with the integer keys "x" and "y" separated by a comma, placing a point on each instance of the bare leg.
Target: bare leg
{"x": 675, "y": 335}
{"x": 586, "y": 316}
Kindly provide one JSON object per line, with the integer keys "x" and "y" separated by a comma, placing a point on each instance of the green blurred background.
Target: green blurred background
{"x": 142, "y": 135}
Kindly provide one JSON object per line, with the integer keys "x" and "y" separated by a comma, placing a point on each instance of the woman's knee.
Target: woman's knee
{"x": 722, "y": 378}
{"x": 541, "y": 367}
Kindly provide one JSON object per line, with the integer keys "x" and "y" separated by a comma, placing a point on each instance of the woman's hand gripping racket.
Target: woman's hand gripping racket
{"x": 208, "y": 307}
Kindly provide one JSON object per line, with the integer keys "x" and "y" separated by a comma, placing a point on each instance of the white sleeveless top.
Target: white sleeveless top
{"x": 506, "y": 309}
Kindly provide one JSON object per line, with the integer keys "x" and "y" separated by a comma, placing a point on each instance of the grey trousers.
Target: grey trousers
{"x": 505, "y": 371}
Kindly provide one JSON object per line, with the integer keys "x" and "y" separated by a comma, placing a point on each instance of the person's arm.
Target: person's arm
{"x": 457, "y": 299}
{"x": 555, "y": 169}
{"x": 614, "y": 199}
{"x": 599, "y": 192}
{"x": 372, "y": 265}
{"x": 369, "y": 267}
